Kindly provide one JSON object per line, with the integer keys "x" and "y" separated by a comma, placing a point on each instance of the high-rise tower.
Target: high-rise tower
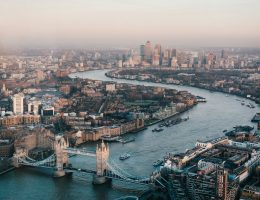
{"x": 142, "y": 47}
{"x": 18, "y": 103}
{"x": 221, "y": 183}
{"x": 148, "y": 52}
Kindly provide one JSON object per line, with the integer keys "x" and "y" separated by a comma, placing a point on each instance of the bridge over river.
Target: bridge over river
{"x": 59, "y": 162}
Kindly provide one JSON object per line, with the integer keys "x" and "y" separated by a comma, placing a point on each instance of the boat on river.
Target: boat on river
{"x": 201, "y": 99}
{"x": 127, "y": 140}
{"x": 186, "y": 118}
{"x": 250, "y": 105}
{"x": 109, "y": 138}
{"x": 124, "y": 156}
{"x": 157, "y": 130}
{"x": 158, "y": 163}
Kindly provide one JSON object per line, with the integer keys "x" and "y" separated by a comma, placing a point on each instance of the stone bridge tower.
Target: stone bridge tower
{"x": 102, "y": 155}
{"x": 19, "y": 153}
{"x": 61, "y": 157}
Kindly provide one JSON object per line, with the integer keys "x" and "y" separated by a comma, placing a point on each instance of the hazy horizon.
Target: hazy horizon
{"x": 125, "y": 23}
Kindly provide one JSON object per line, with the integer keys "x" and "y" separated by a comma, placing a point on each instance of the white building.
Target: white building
{"x": 18, "y": 103}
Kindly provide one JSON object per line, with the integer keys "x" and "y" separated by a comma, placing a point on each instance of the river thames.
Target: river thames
{"x": 206, "y": 121}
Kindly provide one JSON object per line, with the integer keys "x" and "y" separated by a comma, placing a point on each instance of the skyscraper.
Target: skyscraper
{"x": 222, "y": 183}
{"x": 167, "y": 53}
{"x": 223, "y": 54}
{"x": 148, "y": 52}
{"x": 18, "y": 103}
{"x": 174, "y": 53}
{"x": 158, "y": 49}
{"x": 156, "y": 60}
{"x": 157, "y": 53}
{"x": 142, "y": 47}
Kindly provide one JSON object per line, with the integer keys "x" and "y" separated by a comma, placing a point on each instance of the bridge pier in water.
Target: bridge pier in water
{"x": 19, "y": 153}
{"x": 102, "y": 154}
{"x": 61, "y": 156}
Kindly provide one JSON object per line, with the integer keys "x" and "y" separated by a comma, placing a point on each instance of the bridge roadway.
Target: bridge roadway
{"x": 111, "y": 175}
{"x": 82, "y": 152}
{"x": 73, "y": 169}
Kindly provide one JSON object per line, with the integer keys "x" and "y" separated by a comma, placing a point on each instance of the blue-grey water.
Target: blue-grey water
{"x": 207, "y": 120}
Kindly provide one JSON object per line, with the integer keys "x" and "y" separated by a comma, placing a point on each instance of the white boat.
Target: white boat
{"x": 201, "y": 99}
{"x": 157, "y": 130}
{"x": 109, "y": 138}
{"x": 127, "y": 140}
{"x": 124, "y": 156}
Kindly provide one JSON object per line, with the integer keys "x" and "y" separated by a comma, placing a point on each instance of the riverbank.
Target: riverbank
{"x": 145, "y": 126}
{"x": 108, "y": 74}
{"x": 171, "y": 116}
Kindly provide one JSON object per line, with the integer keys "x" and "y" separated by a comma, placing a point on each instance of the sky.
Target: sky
{"x": 129, "y": 23}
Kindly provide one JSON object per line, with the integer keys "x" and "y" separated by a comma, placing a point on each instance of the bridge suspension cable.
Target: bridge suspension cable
{"x": 113, "y": 165}
{"x": 124, "y": 175}
{"x": 48, "y": 162}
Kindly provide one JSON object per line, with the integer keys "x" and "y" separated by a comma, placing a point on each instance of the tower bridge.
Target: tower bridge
{"x": 59, "y": 162}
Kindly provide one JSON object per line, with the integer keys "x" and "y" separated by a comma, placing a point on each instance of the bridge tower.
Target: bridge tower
{"x": 61, "y": 156}
{"x": 102, "y": 155}
{"x": 19, "y": 153}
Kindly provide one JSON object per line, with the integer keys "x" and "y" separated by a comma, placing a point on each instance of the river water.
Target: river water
{"x": 206, "y": 121}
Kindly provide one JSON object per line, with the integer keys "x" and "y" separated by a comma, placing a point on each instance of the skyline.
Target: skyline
{"x": 117, "y": 24}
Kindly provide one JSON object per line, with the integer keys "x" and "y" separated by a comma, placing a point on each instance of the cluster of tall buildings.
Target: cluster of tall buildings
{"x": 214, "y": 58}
{"x": 156, "y": 56}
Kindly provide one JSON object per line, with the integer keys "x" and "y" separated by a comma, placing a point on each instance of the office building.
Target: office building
{"x": 142, "y": 47}
{"x": 148, "y": 52}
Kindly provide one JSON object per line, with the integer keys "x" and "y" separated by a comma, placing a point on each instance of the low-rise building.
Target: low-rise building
{"x": 251, "y": 192}
{"x": 6, "y": 148}
{"x": 19, "y": 119}
{"x": 111, "y": 87}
